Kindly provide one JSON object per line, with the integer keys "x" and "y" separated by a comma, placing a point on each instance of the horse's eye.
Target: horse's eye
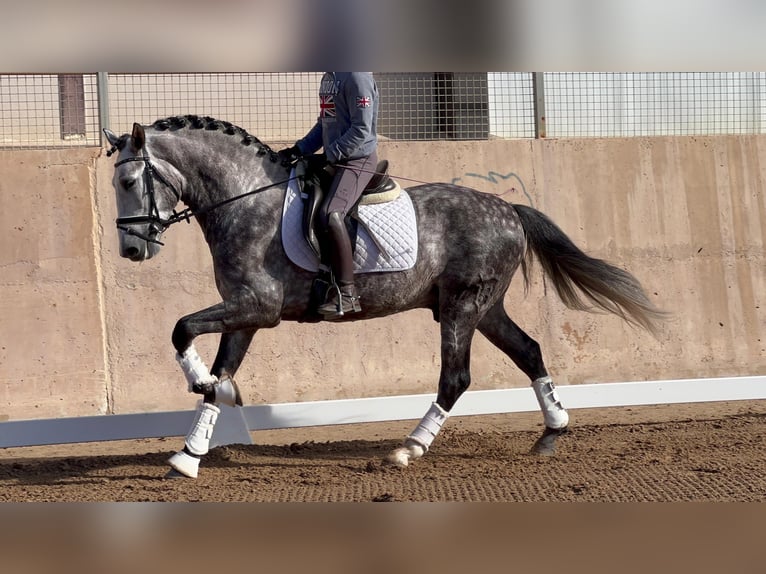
{"x": 128, "y": 182}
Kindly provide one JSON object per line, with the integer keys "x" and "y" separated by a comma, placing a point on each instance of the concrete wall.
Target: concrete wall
{"x": 86, "y": 332}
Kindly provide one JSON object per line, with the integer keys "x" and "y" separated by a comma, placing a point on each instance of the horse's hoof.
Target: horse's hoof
{"x": 173, "y": 473}
{"x": 546, "y": 444}
{"x": 402, "y": 456}
{"x": 399, "y": 458}
{"x": 185, "y": 464}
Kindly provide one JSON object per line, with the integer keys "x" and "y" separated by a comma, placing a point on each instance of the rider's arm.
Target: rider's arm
{"x": 312, "y": 141}
{"x": 359, "y": 139}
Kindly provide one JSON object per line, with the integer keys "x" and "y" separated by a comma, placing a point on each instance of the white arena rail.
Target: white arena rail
{"x": 235, "y": 424}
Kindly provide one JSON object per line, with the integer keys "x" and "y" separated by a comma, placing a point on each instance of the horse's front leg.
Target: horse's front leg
{"x": 216, "y": 387}
{"x": 232, "y": 348}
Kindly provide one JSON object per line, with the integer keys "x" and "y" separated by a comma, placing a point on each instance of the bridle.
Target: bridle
{"x": 158, "y": 225}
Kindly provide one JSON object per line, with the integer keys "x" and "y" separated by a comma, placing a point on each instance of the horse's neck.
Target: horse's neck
{"x": 217, "y": 175}
{"x": 222, "y": 187}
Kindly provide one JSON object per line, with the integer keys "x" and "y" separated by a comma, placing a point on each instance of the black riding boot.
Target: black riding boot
{"x": 342, "y": 298}
{"x": 349, "y": 301}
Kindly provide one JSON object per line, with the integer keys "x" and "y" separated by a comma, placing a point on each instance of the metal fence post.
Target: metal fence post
{"x": 103, "y": 103}
{"x": 538, "y": 93}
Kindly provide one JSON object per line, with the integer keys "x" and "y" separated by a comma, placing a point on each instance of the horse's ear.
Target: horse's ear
{"x": 138, "y": 136}
{"x": 111, "y": 137}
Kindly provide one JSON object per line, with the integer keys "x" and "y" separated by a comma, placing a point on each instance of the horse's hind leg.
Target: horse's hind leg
{"x": 525, "y": 353}
{"x": 457, "y": 332}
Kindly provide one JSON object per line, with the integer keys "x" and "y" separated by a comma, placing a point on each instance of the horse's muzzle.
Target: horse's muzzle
{"x": 139, "y": 245}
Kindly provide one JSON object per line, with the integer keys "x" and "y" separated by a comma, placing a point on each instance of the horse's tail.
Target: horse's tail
{"x": 574, "y": 273}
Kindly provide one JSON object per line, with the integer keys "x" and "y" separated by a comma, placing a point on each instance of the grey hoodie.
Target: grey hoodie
{"x": 348, "y": 116}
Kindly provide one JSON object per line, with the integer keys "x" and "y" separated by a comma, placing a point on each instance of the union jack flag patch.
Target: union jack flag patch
{"x": 327, "y": 106}
{"x": 363, "y": 102}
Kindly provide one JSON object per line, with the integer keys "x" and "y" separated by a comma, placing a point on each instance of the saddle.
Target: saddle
{"x": 314, "y": 186}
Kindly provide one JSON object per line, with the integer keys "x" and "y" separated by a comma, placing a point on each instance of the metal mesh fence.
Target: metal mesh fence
{"x": 272, "y": 107}
{"x": 433, "y": 106}
{"x": 59, "y": 110}
{"x": 648, "y": 104}
{"x": 512, "y": 105}
{"x": 48, "y": 110}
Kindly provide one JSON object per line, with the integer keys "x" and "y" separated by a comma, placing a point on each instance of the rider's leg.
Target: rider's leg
{"x": 346, "y": 189}
{"x": 342, "y": 264}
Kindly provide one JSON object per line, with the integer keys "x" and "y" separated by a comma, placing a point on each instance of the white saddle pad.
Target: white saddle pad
{"x": 392, "y": 224}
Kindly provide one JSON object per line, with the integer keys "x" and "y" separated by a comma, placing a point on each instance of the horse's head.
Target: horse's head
{"x": 145, "y": 196}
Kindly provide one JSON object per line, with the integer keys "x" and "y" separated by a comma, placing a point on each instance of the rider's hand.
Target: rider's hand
{"x": 289, "y": 155}
{"x": 316, "y": 162}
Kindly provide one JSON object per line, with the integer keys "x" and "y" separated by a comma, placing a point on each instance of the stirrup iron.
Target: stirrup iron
{"x": 328, "y": 310}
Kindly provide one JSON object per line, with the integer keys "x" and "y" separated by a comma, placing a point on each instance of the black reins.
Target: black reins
{"x": 157, "y": 224}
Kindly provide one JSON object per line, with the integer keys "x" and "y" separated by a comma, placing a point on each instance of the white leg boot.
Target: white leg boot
{"x": 197, "y": 442}
{"x": 201, "y": 380}
{"x": 419, "y": 441}
{"x": 554, "y": 414}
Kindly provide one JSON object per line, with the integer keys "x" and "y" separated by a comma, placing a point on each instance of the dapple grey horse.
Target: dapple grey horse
{"x": 470, "y": 244}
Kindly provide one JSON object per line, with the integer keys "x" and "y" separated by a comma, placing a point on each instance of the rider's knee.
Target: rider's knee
{"x": 330, "y": 221}
{"x": 335, "y": 220}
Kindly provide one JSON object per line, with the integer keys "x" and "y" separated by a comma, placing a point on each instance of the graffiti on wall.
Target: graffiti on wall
{"x": 498, "y": 179}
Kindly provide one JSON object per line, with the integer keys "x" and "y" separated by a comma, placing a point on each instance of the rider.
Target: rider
{"x": 346, "y": 129}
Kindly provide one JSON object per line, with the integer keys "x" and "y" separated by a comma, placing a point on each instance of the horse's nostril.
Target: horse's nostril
{"x": 132, "y": 252}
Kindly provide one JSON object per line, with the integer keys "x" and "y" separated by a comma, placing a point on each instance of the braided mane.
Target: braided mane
{"x": 195, "y": 122}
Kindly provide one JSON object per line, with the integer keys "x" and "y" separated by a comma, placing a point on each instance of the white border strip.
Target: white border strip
{"x": 234, "y": 425}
